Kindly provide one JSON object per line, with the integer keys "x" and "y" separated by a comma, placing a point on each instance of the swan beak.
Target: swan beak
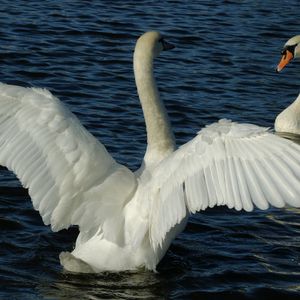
{"x": 285, "y": 59}
{"x": 167, "y": 46}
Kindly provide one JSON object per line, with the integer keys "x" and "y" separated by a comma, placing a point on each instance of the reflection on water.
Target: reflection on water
{"x": 125, "y": 285}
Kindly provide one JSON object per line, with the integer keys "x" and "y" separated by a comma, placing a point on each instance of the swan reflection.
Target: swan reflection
{"x": 123, "y": 285}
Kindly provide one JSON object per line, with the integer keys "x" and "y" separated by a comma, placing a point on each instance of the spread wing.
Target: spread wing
{"x": 70, "y": 176}
{"x": 237, "y": 165}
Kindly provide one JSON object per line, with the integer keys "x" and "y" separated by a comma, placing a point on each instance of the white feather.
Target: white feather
{"x": 241, "y": 168}
{"x": 55, "y": 157}
{"x": 128, "y": 220}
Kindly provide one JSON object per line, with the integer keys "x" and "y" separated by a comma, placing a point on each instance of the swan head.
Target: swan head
{"x": 151, "y": 44}
{"x": 290, "y": 50}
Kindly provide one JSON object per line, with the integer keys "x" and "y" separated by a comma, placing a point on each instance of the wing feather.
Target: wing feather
{"x": 257, "y": 194}
{"x": 243, "y": 186}
{"x": 234, "y": 185}
{"x": 69, "y": 174}
{"x": 238, "y": 165}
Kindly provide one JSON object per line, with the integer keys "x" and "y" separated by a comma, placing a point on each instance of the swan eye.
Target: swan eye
{"x": 165, "y": 45}
{"x": 283, "y": 52}
{"x": 290, "y": 48}
{"x": 161, "y": 40}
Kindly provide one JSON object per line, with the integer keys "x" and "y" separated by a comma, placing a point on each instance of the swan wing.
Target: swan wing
{"x": 70, "y": 176}
{"x": 237, "y": 165}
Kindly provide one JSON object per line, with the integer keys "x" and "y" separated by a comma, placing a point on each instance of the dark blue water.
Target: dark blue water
{"x": 223, "y": 67}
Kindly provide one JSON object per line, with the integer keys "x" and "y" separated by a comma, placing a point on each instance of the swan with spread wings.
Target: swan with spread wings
{"x": 127, "y": 219}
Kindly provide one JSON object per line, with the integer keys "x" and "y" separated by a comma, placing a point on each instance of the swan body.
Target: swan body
{"x": 127, "y": 220}
{"x": 288, "y": 120}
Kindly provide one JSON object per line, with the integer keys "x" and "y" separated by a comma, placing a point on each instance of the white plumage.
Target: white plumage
{"x": 288, "y": 121}
{"x": 128, "y": 220}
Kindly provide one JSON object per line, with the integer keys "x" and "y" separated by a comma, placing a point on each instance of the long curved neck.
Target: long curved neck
{"x": 160, "y": 138}
{"x": 296, "y": 104}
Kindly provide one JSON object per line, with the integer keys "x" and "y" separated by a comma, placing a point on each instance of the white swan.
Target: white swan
{"x": 288, "y": 120}
{"x": 127, "y": 220}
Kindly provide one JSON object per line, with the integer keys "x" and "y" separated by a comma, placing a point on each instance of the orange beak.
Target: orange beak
{"x": 285, "y": 59}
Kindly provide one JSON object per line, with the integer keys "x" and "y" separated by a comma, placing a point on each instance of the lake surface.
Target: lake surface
{"x": 222, "y": 67}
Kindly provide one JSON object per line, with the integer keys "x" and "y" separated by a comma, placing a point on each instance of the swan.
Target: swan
{"x": 288, "y": 121}
{"x": 127, "y": 220}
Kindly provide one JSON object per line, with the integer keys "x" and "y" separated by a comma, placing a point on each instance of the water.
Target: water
{"x": 222, "y": 67}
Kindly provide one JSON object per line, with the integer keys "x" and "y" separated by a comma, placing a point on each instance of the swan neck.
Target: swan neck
{"x": 160, "y": 137}
{"x": 295, "y": 106}
{"x": 297, "y": 103}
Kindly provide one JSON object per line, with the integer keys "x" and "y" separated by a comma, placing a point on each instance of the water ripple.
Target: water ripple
{"x": 222, "y": 67}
